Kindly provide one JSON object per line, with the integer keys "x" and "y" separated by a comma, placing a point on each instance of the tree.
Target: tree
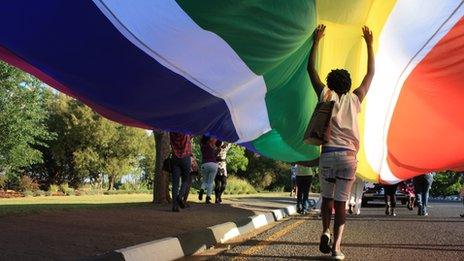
{"x": 147, "y": 160}
{"x": 264, "y": 173}
{"x": 236, "y": 160}
{"x": 88, "y": 146}
{"x": 161, "y": 180}
{"x": 75, "y": 126}
{"x": 108, "y": 148}
{"x": 123, "y": 152}
{"x": 22, "y": 120}
{"x": 446, "y": 183}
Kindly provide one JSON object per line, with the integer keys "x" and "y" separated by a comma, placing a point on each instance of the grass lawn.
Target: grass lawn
{"x": 38, "y": 204}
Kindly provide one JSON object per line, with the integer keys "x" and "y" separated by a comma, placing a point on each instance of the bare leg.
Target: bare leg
{"x": 326, "y": 213}
{"x": 339, "y": 224}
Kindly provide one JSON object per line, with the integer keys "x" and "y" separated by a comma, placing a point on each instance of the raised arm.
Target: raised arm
{"x": 362, "y": 90}
{"x": 313, "y": 75}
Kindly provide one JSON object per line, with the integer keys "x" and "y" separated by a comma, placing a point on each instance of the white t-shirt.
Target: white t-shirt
{"x": 344, "y": 122}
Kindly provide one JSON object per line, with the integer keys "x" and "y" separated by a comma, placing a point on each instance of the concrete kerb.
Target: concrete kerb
{"x": 163, "y": 249}
{"x": 194, "y": 242}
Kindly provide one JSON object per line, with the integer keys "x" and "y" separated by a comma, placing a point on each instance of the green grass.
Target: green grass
{"x": 27, "y": 205}
{"x": 37, "y": 204}
{"x": 236, "y": 186}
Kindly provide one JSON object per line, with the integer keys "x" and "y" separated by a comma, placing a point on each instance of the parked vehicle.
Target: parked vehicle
{"x": 375, "y": 192}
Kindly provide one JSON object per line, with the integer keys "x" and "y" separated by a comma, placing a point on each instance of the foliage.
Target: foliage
{"x": 238, "y": 186}
{"x": 446, "y": 183}
{"x": 134, "y": 186}
{"x": 2, "y": 181}
{"x": 90, "y": 192}
{"x": 70, "y": 192}
{"x": 39, "y": 193}
{"x": 22, "y": 120}
{"x": 266, "y": 174}
{"x": 65, "y": 189}
{"x": 88, "y": 147}
{"x": 196, "y": 150}
{"x": 27, "y": 184}
{"x": 236, "y": 160}
{"x": 147, "y": 160}
{"x": 28, "y": 193}
{"x": 53, "y": 188}
{"x": 123, "y": 191}
{"x": 315, "y": 185}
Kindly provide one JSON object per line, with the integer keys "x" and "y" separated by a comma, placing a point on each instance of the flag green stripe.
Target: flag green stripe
{"x": 273, "y": 39}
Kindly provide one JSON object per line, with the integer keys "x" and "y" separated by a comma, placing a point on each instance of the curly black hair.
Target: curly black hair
{"x": 339, "y": 80}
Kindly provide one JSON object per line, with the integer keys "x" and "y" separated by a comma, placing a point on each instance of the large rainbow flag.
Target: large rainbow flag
{"x": 236, "y": 69}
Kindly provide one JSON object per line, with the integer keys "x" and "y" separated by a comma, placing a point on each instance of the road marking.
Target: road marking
{"x": 266, "y": 242}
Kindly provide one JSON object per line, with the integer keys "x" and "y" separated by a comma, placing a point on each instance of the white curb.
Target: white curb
{"x": 163, "y": 249}
{"x": 171, "y": 248}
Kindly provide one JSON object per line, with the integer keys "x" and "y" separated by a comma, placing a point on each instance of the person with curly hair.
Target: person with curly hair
{"x": 338, "y": 161}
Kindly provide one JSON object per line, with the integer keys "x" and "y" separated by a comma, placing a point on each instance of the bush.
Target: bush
{"x": 88, "y": 189}
{"x": 53, "y": 188}
{"x": 115, "y": 192}
{"x": 66, "y": 190}
{"x": 138, "y": 187}
{"x": 39, "y": 193}
{"x": 70, "y": 192}
{"x": 28, "y": 184}
{"x": 278, "y": 189}
{"x": 123, "y": 191}
{"x": 238, "y": 186}
{"x": 92, "y": 192}
{"x": 48, "y": 193}
{"x": 12, "y": 181}
{"x": 28, "y": 193}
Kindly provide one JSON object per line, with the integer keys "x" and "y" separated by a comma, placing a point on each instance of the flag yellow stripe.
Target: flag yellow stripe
{"x": 343, "y": 47}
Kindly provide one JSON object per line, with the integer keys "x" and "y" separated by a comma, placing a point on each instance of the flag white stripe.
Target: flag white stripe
{"x": 166, "y": 33}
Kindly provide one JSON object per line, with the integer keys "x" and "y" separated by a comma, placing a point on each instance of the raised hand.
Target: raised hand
{"x": 362, "y": 90}
{"x": 313, "y": 75}
{"x": 319, "y": 32}
{"x": 367, "y": 35}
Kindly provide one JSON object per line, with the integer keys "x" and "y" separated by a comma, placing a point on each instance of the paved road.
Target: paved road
{"x": 370, "y": 236}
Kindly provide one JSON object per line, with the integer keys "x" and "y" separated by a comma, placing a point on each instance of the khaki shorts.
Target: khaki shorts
{"x": 336, "y": 174}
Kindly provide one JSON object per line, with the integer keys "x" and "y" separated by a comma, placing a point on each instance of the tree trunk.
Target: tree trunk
{"x": 100, "y": 183}
{"x": 111, "y": 179}
{"x": 161, "y": 178}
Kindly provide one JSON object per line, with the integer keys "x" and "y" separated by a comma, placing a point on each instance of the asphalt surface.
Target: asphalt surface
{"x": 369, "y": 236}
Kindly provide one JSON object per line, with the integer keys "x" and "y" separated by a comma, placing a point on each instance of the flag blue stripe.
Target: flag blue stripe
{"x": 87, "y": 54}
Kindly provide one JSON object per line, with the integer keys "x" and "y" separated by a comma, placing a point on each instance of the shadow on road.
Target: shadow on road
{"x": 270, "y": 257}
{"x": 279, "y": 200}
{"x": 447, "y": 247}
